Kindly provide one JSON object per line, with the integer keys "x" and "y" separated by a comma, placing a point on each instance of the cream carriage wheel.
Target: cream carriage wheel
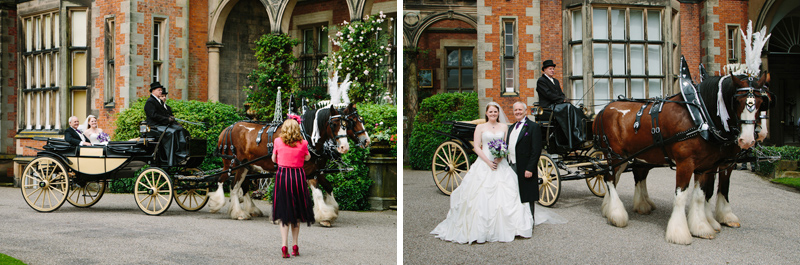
{"x": 153, "y": 191}
{"x": 87, "y": 194}
{"x": 597, "y": 183}
{"x": 191, "y": 200}
{"x": 551, "y": 181}
{"x": 450, "y": 164}
{"x": 45, "y": 184}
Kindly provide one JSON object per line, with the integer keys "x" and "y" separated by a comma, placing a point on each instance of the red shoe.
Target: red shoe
{"x": 295, "y": 251}
{"x": 285, "y": 252}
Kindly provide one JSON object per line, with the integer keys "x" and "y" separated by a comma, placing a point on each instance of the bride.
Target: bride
{"x": 486, "y": 206}
{"x": 95, "y": 135}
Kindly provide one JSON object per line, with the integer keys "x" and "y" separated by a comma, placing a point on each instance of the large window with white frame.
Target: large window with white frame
{"x": 40, "y": 72}
{"x": 509, "y": 52}
{"x": 733, "y": 44}
{"x": 78, "y": 40}
{"x": 626, "y": 51}
{"x": 109, "y": 88}
{"x": 158, "y": 48}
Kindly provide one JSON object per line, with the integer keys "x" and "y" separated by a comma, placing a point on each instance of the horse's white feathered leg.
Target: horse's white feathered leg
{"x": 615, "y": 210}
{"x": 216, "y": 200}
{"x": 724, "y": 214}
{"x": 710, "y": 218}
{"x": 677, "y": 228}
{"x": 698, "y": 225}
{"x": 250, "y": 206}
{"x": 326, "y": 210}
{"x": 642, "y": 203}
{"x": 612, "y": 207}
{"x": 236, "y": 192}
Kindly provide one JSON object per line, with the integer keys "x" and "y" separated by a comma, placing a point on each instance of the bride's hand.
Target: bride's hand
{"x": 492, "y": 164}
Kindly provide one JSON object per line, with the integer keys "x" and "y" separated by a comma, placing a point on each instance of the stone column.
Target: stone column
{"x": 213, "y": 71}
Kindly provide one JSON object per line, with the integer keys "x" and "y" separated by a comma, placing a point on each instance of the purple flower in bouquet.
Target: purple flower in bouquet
{"x": 498, "y": 148}
{"x": 102, "y": 137}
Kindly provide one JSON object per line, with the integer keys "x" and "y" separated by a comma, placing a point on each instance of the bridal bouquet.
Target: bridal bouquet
{"x": 498, "y": 148}
{"x": 102, "y": 137}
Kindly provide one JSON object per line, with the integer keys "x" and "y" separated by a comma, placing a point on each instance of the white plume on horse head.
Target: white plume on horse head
{"x": 754, "y": 42}
{"x": 339, "y": 92}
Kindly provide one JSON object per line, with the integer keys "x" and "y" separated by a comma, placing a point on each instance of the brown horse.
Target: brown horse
{"x": 238, "y": 145}
{"x": 613, "y": 128}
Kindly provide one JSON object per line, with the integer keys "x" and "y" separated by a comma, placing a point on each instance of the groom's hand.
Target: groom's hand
{"x": 528, "y": 174}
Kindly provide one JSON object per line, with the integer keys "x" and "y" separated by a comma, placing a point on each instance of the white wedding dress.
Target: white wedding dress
{"x": 486, "y": 205}
{"x": 93, "y": 139}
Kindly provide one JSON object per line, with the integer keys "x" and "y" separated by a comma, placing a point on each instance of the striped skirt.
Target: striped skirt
{"x": 291, "y": 202}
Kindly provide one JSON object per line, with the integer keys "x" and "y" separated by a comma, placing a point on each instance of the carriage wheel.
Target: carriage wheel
{"x": 87, "y": 194}
{"x": 450, "y": 164}
{"x": 551, "y": 181}
{"x": 153, "y": 191}
{"x": 191, "y": 200}
{"x": 597, "y": 184}
{"x": 45, "y": 184}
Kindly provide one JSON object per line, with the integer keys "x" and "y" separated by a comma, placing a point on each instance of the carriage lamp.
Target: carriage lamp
{"x": 143, "y": 128}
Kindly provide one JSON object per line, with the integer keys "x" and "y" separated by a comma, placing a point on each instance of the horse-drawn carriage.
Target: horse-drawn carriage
{"x": 81, "y": 174}
{"x": 559, "y": 161}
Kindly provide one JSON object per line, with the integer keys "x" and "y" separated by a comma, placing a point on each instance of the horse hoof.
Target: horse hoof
{"x": 732, "y": 224}
{"x": 710, "y": 236}
{"x": 325, "y": 223}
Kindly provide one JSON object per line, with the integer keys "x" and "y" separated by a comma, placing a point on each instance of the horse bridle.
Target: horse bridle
{"x": 351, "y": 125}
{"x": 750, "y": 101}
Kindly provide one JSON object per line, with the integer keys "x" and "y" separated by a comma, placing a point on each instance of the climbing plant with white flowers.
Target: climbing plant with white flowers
{"x": 365, "y": 47}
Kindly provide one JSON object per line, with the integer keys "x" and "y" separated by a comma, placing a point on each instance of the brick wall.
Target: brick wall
{"x": 729, "y": 12}
{"x": 339, "y": 8}
{"x": 431, "y": 43}
{"x": 198, "y": 53}
{"x": 100, "y": 11}
{"x": 526, "y": 59}
{"x": 551, "y": 36}
{"x": 691, "y": 37}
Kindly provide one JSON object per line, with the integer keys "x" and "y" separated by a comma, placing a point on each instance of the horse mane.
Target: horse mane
{"x": 708, "y": 90}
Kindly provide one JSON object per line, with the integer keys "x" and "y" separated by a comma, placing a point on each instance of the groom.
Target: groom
{"x": 524, "y": 148}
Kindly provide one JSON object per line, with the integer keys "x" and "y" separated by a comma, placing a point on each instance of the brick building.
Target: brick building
{"x": 603, "y": 48}
{"x": 80, "y": 57}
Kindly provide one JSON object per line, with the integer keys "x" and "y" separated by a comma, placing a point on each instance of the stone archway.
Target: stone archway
{"x": 235, "y": 27}
{"x": 783, "y": 64}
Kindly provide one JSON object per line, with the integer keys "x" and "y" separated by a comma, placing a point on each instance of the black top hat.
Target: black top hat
{"x": 155, "y": 85}
{"x": 547, "y": 63}
{"x": 164, "y": 91}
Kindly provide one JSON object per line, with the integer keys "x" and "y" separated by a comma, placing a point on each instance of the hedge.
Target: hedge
{"x": 432, "y": 112}
{"x": 380, "y": 121}
{"x": 217, "y": 117}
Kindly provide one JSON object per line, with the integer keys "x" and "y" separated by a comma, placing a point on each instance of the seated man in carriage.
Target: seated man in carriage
{"x": 571, "y": 132}
{"x": 173, "y": 146}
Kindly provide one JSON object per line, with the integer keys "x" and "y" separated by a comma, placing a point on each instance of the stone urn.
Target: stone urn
{"x": 383, "y": 172}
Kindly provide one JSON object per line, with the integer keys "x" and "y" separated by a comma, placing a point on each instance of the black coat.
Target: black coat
{"x": 156, "y": 113}
{"x": 72, "y": 137}
{"x": 549, "y": 93}
{"x": 528, "y": 149}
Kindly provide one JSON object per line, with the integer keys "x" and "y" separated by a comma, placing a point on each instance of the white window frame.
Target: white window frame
{"x": 109, "y": 50}
{"x": 39, "y": 71}
{"x": 509, "y": 59}
{"x": 460, "y": 88}
{"x": 159, "y": 54}
{"x": 733, "y": 44}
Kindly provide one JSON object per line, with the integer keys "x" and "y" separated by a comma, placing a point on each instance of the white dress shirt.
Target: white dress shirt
{"x": 512, "y": 141}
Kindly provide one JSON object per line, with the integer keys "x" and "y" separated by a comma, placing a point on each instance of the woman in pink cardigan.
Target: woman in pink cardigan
{"x": 290, "y": 202}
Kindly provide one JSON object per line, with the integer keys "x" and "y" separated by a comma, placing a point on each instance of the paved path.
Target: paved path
{"x": 770, "y": 232}
{"x": 115, "y": 231}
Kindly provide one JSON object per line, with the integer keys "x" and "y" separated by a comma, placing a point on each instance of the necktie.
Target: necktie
{"x": 517, "y": 126}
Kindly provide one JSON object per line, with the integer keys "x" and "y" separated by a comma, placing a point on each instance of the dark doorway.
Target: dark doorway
{"x": 247, "y": 22}
{"x": 784, "y": 70}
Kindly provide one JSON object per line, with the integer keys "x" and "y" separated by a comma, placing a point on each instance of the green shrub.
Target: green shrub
{"x": 765, "y": 168}
{"x": 275, "y": 57}
{"x": 432, "y": 112}
{"x": 380, "y": 121}
{"x": 217, "y": 116}
{"x": 351, "y": 189}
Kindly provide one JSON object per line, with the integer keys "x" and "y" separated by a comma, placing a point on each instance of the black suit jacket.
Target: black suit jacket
{"x": 549, "y": 93}
{"x": 72, "y": 137}
{"x": 156, "y": 114}
{"x": 527, "y": 149}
